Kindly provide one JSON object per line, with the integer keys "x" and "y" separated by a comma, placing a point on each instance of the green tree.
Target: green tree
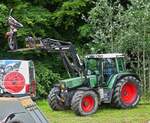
{"x": 126, "y": 31}
{"x": 134, "y": 38}
{"x": 105, "y": 22}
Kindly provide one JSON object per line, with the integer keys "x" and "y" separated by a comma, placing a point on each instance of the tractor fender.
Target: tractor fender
{"x": 84, "y": 88}
{"x": 114, "y": 79}
{"x": 87, "y": 89}
{"x": 90, "y": 89}
{"x": 119, "y": 76}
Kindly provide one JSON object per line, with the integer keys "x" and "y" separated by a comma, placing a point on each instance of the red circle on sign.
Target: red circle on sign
{"x": 14, "y": 82}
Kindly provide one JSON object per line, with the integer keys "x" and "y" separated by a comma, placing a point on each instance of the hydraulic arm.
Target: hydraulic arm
{"x": 68, "y": 53}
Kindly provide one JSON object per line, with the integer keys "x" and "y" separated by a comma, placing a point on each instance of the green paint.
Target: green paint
{"x": 120, "y": 65}
{"x": 78, "y": 81}
{"x": 96, "y": 66}
{"x": 93, "y": 81}
{"x": 111, "y": 81}
{"x": 73, "y": 82}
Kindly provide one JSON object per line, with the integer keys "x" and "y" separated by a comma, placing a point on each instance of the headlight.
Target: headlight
{"x": 62, "y": 86}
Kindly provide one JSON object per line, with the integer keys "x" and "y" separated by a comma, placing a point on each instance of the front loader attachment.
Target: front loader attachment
{"x": 25, "y": 109}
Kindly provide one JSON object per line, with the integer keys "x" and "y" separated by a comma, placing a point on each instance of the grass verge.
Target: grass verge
{"x": 105, "y": 114}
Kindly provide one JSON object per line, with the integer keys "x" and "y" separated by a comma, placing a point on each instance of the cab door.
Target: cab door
{"x": 109, "y": 68}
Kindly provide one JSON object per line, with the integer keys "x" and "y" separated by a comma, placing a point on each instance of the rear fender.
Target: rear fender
{"x": 117, "y": 77}
{"x": 90, "y": 89}
{"x": 84, "y": 89}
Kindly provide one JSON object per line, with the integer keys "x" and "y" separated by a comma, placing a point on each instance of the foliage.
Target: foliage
{"x": 68, "y": 18}
{"x": 104, "y": 20}
{"x": 50, "y": 18}
{"x": 45, "y": 78}
{"x": 3, "y": 12}
{"x": 126, "y": 31}
{"x": 115, "y": 29}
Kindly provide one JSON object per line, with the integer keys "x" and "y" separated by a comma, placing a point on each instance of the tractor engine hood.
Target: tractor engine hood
{"x": 78, "y": 81}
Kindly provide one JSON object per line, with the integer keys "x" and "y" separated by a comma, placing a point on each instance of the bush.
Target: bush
{"x": 45, "y": 78}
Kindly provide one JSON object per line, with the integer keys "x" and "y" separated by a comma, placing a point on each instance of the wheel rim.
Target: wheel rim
{"x": 87, "y": 103}
{"x": 129, "y": 93}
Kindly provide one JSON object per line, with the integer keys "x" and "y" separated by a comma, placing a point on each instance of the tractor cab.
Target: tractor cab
{"x": 104, "y": 66}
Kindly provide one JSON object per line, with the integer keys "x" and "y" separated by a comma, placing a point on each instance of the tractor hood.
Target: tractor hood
{"x": 78, "y": 81}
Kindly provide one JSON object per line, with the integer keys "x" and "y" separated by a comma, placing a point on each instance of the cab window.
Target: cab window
{"x": 121, "y": 64}
{"x": 109, "y": 68}
{"x": 91, "y": 66}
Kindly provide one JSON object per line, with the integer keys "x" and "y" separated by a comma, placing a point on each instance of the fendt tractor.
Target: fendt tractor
{"x": 99, "y": 78}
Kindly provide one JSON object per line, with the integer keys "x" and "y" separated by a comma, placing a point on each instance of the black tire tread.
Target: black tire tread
{"x": 53, "y": 101}
{"x": 76, "y": 102}
{"x": 116, "y": 101}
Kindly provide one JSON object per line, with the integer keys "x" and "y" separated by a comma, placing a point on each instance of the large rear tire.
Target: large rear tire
{"x": 84, "y": 103}
{"x": 126, "y": 92}
{"x": 53, "y": 101}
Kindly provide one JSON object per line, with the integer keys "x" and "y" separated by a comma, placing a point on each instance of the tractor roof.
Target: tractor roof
{"x": 108, "y": 55}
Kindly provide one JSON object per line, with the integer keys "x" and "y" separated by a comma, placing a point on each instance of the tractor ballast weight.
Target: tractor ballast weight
{"x": 100, "y": 78}
{"x": 26, "y": 111}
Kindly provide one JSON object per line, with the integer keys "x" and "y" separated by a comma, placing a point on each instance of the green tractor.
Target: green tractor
{"x": 100, "y": 78}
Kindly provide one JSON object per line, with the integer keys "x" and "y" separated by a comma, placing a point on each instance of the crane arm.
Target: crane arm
{"x": 72, "y": 62}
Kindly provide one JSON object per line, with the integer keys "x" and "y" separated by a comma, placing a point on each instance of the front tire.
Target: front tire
{"x": 53, "y": 101}
{"x": 126, "y": 92}
{"x": 84, "y": 102}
